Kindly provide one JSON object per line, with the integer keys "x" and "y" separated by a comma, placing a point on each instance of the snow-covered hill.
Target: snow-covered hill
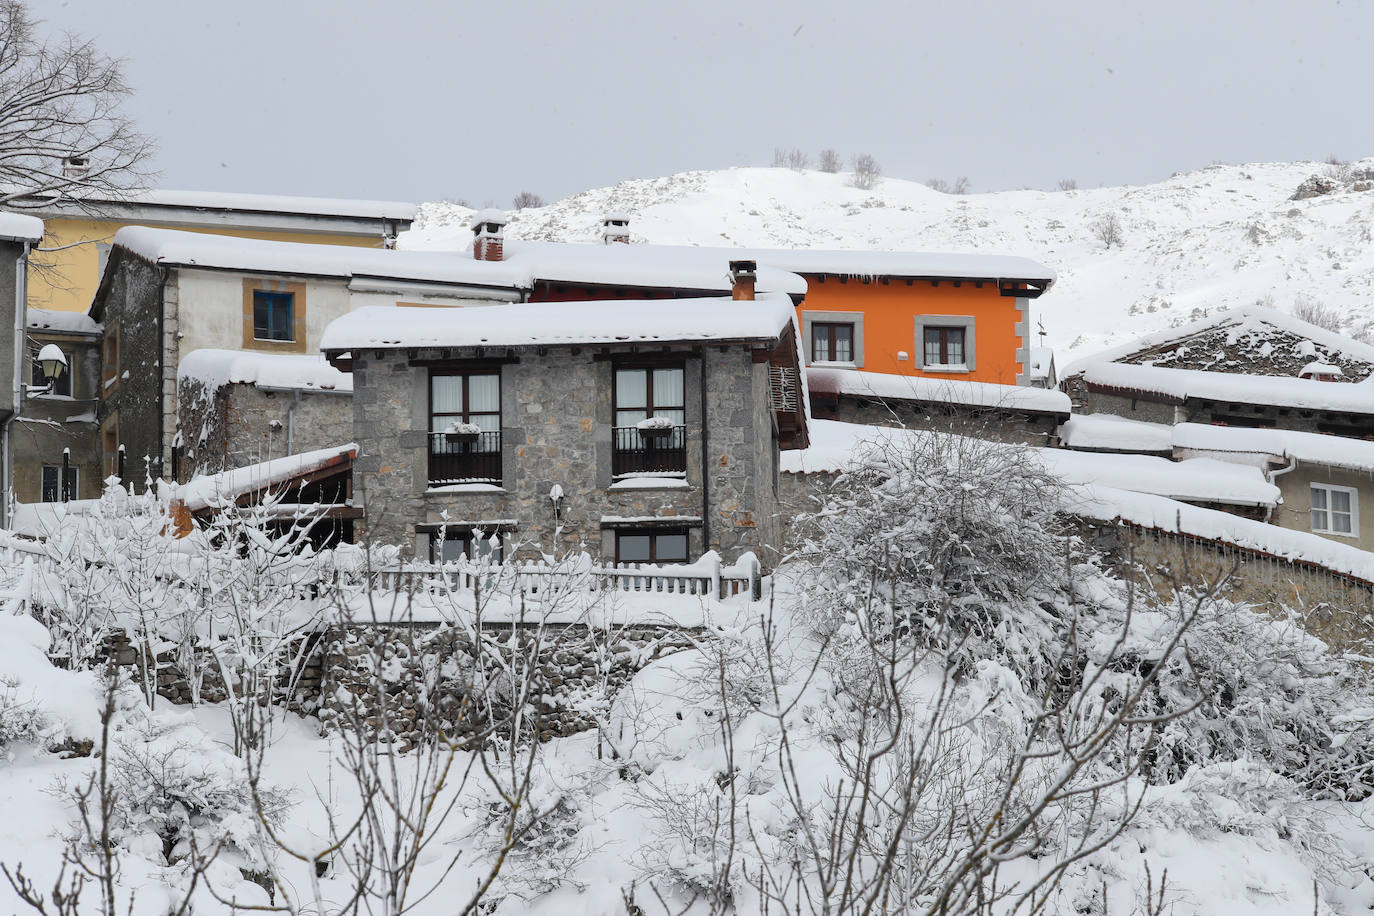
{"x": 1210, "y": 239}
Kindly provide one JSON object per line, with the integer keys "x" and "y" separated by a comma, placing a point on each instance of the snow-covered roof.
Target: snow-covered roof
{"x": 304, "y": 372}
{"x": 1240, "y": 321}
{"x": 1283, "y": 444}
{"x": 561, "y": 323}
{"x": 944, "y": 391}
{"x": 66, "y": 322}
{"x": 20, "y": 226}
{"x": 1108, "y": 432}
{"x": 1320, "y": 368}
{"x": 524, "y": 262}
{"x": 1151, "y": 511}
{"x": 834, "y": 446}
{"x": 1280, "y": 391}
{"x": 223, "y": 489}
{"x": 894, "y": 263}
{"x": 257, "y": 203}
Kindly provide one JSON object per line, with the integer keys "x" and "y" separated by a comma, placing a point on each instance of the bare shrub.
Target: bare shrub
{"x": 1108, "y": 230}
{"x": 938, "y": 184}
{"x": 867, "y": 172}
{"x": 1322, "y": 315}
{"x": 790, "y": 159}
{"x": 828, "y": 161}
{"x": 961, "y": 185}
{"x": 526, "y": 199}
{"x": 1068, "y": 184}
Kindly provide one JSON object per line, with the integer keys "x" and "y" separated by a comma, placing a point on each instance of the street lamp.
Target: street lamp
{"x": 52, "y": 362}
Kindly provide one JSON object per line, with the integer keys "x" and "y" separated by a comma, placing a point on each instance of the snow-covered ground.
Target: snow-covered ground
{"x": 1201, "y": 241}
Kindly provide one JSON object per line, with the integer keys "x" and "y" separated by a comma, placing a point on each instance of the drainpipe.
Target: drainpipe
{"x": 21, "y": 298}
{"x": 1292, "y": 466}
{"x": 705, "y": 464}
{"x": 291, "y": 419}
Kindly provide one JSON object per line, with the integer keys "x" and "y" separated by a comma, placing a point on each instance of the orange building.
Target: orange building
{"x": 964, "y": 317}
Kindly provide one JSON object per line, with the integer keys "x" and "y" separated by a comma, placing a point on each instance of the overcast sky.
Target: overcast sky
{"x": 408, "y": 100}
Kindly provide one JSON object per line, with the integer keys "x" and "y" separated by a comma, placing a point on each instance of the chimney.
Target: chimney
{"x": 743, "y": 275}
{"x": 489, "y": 235}
{"x": 76, "y": 166}
{"x": 615, "y": 227}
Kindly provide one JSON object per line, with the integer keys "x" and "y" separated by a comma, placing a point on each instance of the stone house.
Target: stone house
{"x": 639, "y": 431}
{"x": 58, "y": 416}
{"x": 1249, "y": 367}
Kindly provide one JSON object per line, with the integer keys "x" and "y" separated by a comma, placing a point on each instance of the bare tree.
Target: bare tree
{"x": 792, "y": 158}
{"x": 62, "y": 127}
{"x": 961, "y": 185}
{"x": 938, "y": 184}
{"x": 867, "y": 172}
{"x": 1107, "y": 230}
{"x": 828, "y": 161}
{"x": 1068, "y": 184}
{"x": 526, "y": 199}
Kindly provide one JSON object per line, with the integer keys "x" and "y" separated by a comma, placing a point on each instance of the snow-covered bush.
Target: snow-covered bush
{"x": 22, "y": 719}
{"x": 866, "y": 172}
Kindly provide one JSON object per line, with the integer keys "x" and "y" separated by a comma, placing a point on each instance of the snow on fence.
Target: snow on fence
{"x": 706, "y": 578}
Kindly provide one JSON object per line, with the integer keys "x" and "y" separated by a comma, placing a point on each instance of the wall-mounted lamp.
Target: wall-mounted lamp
{"x": 52, "y": 362}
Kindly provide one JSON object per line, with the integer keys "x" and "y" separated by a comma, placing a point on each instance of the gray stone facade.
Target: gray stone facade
{"x": 556, "y": 429}
{"x": 50, "y": 423}
{"x": 240, "y": 424}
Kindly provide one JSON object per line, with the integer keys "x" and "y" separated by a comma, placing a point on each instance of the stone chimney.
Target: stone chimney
{"x": 743, "y": 275}
{"x": 489, "y": 235}
{"x": 615, "y": 227}
{"x": 76, "y": 166}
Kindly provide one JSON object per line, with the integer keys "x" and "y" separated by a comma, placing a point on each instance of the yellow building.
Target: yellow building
{"x": 65, "y": 276}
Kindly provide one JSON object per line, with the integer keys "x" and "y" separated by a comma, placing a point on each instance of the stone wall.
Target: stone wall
{"x": 1336, "y": 608}
{"x": 984, "y": 423}
{"x": 557, "y": 430}
{"x": 47, "y": 425}
{"x": 239, "y": 424}
{"x": 428, "y": 681}
{"x": 131, "y": 309}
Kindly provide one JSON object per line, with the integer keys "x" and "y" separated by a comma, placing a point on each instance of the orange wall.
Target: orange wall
{"x": 889, "y": 310}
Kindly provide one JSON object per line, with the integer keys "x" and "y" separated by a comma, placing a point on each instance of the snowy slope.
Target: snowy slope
{"x": 1201, "y": 241}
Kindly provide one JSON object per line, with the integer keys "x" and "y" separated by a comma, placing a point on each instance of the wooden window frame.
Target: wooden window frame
{"x": 653, "y": 534}
{"x": 647, "y": 367}
{"x": 944, "y": 333}
{"x": 297, "y": 343}
{"x": 832, "y": 355}
{"x": 271, "y": 299}
{"x": 812, "y": 317}
{"x": 465, "y": 415}
{"x": 943, "y": 323}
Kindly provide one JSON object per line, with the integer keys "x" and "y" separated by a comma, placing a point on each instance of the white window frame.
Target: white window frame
{"x": 1330, "y": 488}
{"x": 810, "y": 317}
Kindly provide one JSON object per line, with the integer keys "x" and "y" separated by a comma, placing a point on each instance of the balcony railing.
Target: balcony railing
{"x": 462, "y": 460}
{"x": 636, "y": 453}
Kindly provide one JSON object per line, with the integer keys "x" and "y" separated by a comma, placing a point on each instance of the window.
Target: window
{"x": 464, "y": 427}
{"x": 1335, "y": 510}
{"x": 832, "y": 342}
{"x": 946, "y": 343}
{"x": 272, "y": 315}
{"x": 61, "y": 385}
{"x": 649, "y": 393}
{"x": 466, "y": 544}
{"x": 52, "y": 487}
{"x": 833, "y": 337}
{"x": 944, "y": 347}
{"x": 109, "y": 356}
{"x": 661, "y": 546}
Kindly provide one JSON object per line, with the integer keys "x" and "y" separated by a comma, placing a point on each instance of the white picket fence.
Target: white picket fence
{"x": 700, "y": 580}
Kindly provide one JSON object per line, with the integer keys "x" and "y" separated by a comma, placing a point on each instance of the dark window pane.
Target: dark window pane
{"x": 634, "y": 548}
{"x": 50, "y": 478}
{"x": 272, "y": 315}
{"x": 672, "y": 548}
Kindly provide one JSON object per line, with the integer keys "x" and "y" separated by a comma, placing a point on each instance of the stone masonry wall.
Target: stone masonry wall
{"x": 239, "y": 424}
{"x": 557, "y": 430}
{"x": 132, "y": 306}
